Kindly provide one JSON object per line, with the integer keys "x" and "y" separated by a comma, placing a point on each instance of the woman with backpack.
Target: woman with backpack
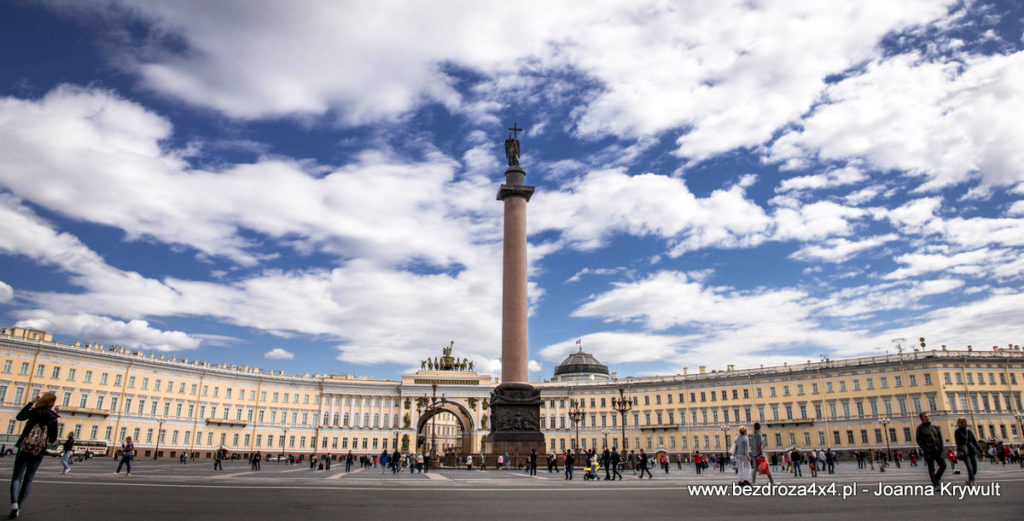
{"x": 127, "y": 453}
{"x": 40, "y": 431}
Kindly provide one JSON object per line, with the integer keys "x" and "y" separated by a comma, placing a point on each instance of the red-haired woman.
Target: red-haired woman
{"x": 39, "y": 432}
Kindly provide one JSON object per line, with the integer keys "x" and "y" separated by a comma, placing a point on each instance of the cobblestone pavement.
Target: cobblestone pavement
{"x": 167, "y": 490}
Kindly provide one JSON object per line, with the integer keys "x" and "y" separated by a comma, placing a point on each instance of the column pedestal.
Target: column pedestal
{"x": 515, "y": 421}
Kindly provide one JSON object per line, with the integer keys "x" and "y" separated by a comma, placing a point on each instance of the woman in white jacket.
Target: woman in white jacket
{"x": 741, "y": 451}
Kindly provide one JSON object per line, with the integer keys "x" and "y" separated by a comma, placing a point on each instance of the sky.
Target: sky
{"x": 310, "y": 186}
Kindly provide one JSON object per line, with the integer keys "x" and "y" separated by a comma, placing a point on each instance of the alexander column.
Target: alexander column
{"x": 515, "y": 404}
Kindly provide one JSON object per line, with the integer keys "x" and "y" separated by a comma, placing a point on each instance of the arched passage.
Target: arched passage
{"x": 435, "y": 424}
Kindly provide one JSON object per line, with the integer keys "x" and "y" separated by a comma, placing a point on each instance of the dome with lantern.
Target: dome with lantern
{"x": 580, "y": 366}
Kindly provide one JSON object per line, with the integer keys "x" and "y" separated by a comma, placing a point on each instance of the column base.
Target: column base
{"x": 515, "y": 421}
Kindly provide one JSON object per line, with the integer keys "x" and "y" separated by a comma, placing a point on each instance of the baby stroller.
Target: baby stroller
{"x": 591, "y": 471}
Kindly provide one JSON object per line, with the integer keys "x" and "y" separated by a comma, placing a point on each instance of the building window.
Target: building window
{"x": 7, "y": 367}
{"x": 88, "y": 377}
{"x": 56, "y": 373}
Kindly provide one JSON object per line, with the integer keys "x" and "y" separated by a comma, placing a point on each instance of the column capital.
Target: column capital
{"x": 523, "y": 191}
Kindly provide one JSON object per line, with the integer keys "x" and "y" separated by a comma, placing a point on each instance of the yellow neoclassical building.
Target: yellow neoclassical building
{"x": 170, "y": 405}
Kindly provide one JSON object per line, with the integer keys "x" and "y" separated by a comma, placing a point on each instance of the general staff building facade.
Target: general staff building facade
{"x": 170, "y": 405}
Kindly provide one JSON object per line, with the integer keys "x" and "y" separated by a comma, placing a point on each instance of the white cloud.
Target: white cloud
{"x": 944, "y": 121}
{"x": 648, "y": 205}
{"x": 603, "y": 272}
{"x": 1017, "y": 208}
{"x": 278, "y": 354}
{"x": 134, "y": 333}
{"x": 917, "y": 264}
{"x": 922, "y": 217}
{"x": 658, "y": 66}
{"x": 617, "y": 347}
{"x": 6, "y": 292}
{"x": 669, "y": 299}
{"x": 102, "y": 149}
{"x": 830, "y": 179}
{"x": 840, "y": 249}
{"x": 995, "y": 320}
{"x": 815, "y": 221}
{"x": 361, "y": 303}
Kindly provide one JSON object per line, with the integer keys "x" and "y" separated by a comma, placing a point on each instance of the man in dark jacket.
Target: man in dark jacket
{"x": 929, "y": 438}
{"x": 614, "y": 461}
{"x": 643, "y": 464}
{"x": 37, "y": 413}
{"x": 569, "y": 462}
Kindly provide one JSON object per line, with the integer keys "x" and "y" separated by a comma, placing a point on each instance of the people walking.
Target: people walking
{"x": 69, "y": 450}
{"x": 796, "y": 459}
{"x": 643, "y": 463}
{"x": 741, "y": 451}
{"x": 758, "y": 443}
{"x": 968, "y": 449}
{"x": 569, "y": 462}
{"x": 533, "y": 462}
{"x": 40, "y": 431}
{"x": 929, "y": 438}
{"x": 127, "y": 455}
{"x": 698, "y": 461}
{"x": 614, "y": 461}
{"x": 218, "y": 458}
{"x": 605, "y": 462}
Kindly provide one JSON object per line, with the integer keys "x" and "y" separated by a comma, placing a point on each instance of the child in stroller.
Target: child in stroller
{"x": 590, "y": 472}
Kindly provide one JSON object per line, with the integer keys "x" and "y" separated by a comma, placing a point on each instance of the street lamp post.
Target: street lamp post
{"x": 885, "y": 426}
{"x": 725, "y": 436}
{"x": 623, "y": 406}
{"x": 432, "y": 409}
{"x": 605, "y": 432}
{"x": 283, "y": 438}
{"x": 397, "y": 432}
{"x": 576, "y": 414}
{"x": 159, "y": 430}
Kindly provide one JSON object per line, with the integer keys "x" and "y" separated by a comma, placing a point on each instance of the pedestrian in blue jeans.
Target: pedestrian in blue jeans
{"x": 127, "y": 454}
{"x": 69, "y": 450}
{"x": 40, "y": 431}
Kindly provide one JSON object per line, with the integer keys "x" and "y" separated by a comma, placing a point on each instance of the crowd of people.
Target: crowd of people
{"x": 749, "y": 456}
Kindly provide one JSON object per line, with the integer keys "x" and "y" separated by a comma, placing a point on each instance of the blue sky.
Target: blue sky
{"x": 312, "y": 187}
